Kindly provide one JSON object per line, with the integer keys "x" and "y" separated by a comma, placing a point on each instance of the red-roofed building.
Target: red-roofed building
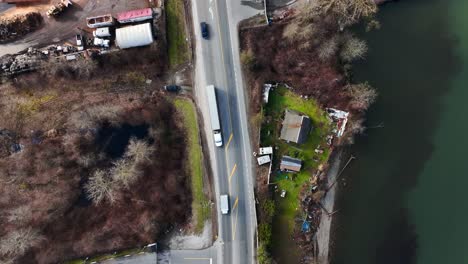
{"x": 135, "y": 15}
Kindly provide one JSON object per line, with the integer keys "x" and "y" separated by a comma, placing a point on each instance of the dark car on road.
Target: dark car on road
{"x": 204, "y": 30}
{"x": 172, "y": 88}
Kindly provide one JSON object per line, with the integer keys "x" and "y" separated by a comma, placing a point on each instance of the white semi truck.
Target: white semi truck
{"x": 224, "y": 203}
{"x": 213, "y": 106}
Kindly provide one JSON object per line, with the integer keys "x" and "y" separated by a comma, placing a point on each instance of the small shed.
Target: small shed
{"x": 134, "y": 36}
{"x": 290, "y": 164}
{"x": 135, "y": 15}
{"x": 296, "y": 127}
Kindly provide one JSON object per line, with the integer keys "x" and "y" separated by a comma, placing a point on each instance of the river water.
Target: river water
{"x": 405, "y": 196}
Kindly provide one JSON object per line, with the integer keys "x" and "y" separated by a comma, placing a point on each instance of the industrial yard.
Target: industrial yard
{"x": 90, "y": 139}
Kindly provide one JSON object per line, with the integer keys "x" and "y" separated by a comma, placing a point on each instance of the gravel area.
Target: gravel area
{"x": 201, "y": 241}
{"x": 323, "y": 232}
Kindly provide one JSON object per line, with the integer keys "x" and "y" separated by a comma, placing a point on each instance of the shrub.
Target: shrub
{"x": 125, "y": 172}
{"x": 139, "y": 150}
{"x": 17, "y": 242}
{"x": 353, "y": 48}
{"x": 264, "y": 234}
{"x": 100, "y": 187}
{"x": 269, "y": 208}
{"x": 89, "y": 118}
{"x": 247, "y": 59}
{"x": 362, "y": 95}
{"x": 262, "y": 255}
{"x": 135, "y": 78}
{"x": 20, "y": 214}
{"x": 328, "y": 48}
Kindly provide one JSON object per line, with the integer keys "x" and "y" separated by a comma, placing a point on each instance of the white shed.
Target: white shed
{"x": 134, "y": 36}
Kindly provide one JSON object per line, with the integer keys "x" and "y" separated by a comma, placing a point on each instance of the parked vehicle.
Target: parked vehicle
{"x": 213, "y": 107}
{"x": 56, "y": 10}
{"x": 283, "y": 193}
{"x": 102, "y": 32}
{"x": 79, "y": 40}
{"x": 172, "y": 88}
{"x": 224, "y": 204}
{"x": 204, "y": 30}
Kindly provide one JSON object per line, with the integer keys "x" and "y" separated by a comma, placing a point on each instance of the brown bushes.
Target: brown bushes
{"x": 57, "y": 175}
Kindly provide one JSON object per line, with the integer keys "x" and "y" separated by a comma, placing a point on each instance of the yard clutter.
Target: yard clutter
{"x": 19, "y": 25}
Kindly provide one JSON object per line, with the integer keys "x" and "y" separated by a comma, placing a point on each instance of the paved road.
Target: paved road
{"x": 217, "y": 62}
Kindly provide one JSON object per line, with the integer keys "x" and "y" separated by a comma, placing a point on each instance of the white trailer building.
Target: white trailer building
{"x": 134, "y": 36}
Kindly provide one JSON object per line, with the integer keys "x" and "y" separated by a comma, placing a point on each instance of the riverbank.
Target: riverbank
{"x": 324, "y": 233}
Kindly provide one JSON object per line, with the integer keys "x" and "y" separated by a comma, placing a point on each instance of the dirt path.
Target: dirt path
{"x": 323, "y": 232}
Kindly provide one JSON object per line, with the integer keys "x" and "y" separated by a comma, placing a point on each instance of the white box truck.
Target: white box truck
{"x": 224, "y": 203}
{"x": 213, "y": 106}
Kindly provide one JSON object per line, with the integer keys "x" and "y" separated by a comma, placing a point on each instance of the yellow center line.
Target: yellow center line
{"x": 234, "y": 228}
{"x": 229, "y": 141}
{"x": 232, "y": 172}
{"x": 235, "y": 203}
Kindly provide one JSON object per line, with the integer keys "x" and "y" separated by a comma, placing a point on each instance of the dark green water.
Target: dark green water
{"x": 406, "y": 195}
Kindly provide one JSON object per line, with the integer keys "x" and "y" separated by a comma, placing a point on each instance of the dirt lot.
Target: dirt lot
{"x": 58, "y": 131}
{"x": 71, "y": 22}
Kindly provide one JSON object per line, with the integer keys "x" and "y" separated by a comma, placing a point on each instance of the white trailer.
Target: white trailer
{"x": 224, "y": 203}
{"x": 214, "y": 115}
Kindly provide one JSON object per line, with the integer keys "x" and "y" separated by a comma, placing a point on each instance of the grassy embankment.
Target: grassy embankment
{"x": 175, "y": 32}
{"x": 201, "y": 204}
{"x": 281, "y": 99}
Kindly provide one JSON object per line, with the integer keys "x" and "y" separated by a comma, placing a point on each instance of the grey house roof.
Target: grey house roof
{"x": 296, "y": 127}
{"x": 290, "y": 164}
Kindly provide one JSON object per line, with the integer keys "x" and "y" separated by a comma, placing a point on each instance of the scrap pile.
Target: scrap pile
{"x": 14, "y": 64}
{"x": 16, "y": 26}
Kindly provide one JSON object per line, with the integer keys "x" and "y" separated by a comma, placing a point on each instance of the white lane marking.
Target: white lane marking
{"x": 211, "y": 12}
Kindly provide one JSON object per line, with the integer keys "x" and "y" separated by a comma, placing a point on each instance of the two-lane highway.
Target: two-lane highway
{"x": 217, "y": 62}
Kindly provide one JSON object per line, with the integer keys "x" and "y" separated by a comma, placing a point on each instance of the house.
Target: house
{"x": 134, "y": 36}
{"x": 290, "y": 164}
{"x": 296, "y": 127}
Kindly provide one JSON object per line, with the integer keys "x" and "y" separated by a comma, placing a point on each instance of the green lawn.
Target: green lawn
{"x": 175, "y": 32}
{"x": 279, "y": 100}
{"x": 200, "y": 205}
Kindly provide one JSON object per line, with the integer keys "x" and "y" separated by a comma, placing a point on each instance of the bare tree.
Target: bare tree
{"x": 353, "y": 48}
{"x": 290, "y": 32}
{"x": 328, "y": 49}
{"x": 139, "y": 150}
{"x": 362, "y": 95}
{"x": 347, "y": 12}
{"x": 21, "y": 214}
{"x": 125, "y": 172}
{"x": 17, "y": 242}
{"x": 92, "y": 116}
{"x": 100, "y": 187}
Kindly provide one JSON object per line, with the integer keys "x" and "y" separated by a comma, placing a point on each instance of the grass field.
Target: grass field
{"x": 175, "y": 30}
{"x": 201, "y": 204}
{"x": 281, "y": 99}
